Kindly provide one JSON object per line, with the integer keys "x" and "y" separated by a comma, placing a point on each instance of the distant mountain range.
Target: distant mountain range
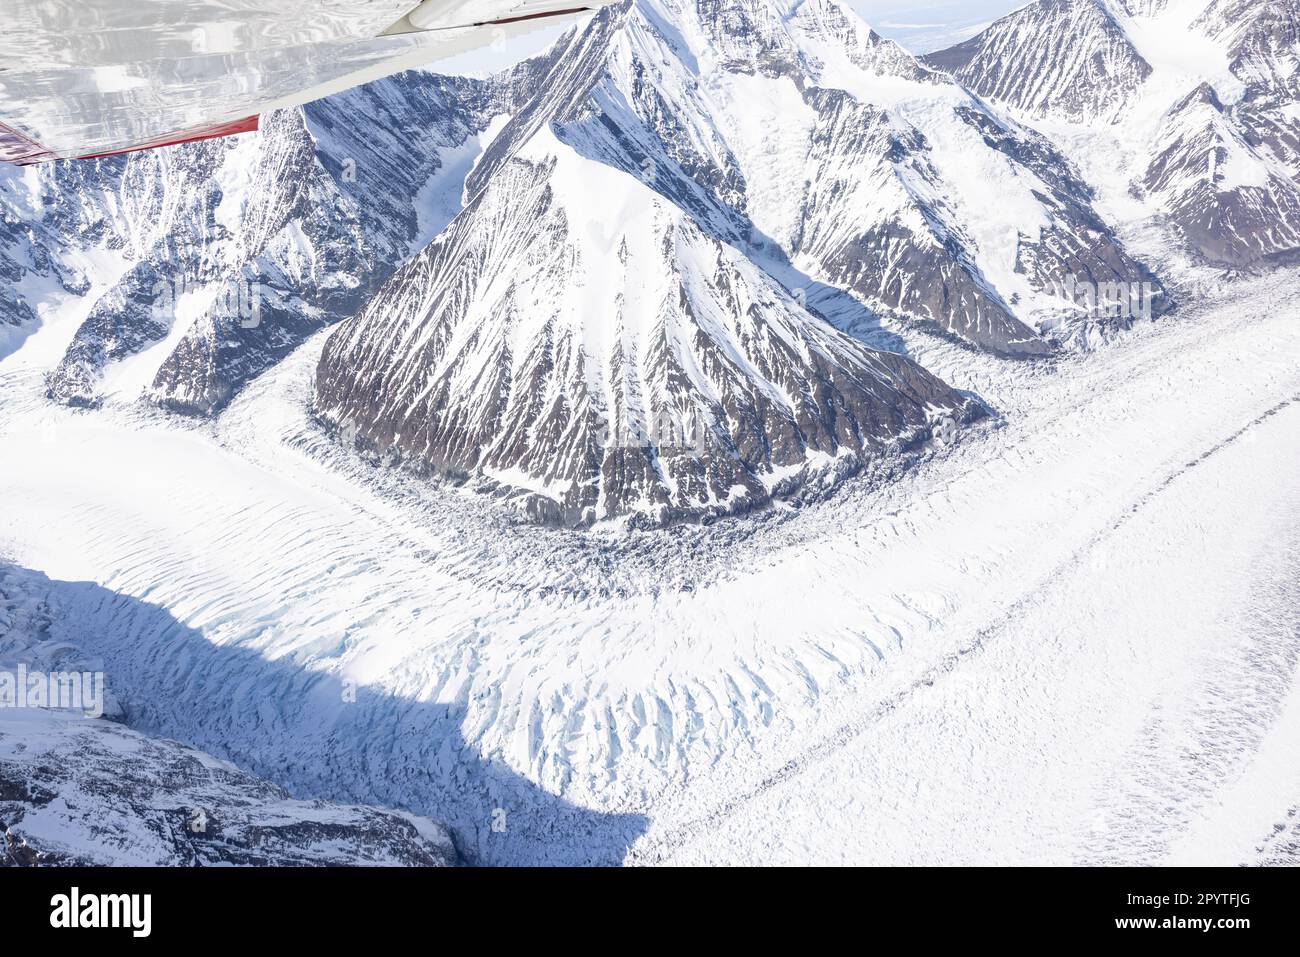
{"x": 1205, "y": 91}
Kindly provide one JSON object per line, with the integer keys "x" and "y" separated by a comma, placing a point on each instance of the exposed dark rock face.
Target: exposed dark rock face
{"x": 1230, "y": 205}
{"x": 90, "y": 792}
{"x": 1065, "y": 58}
{"x": 80, "y": 789}
{"x": 233, "y": 251}
{"x": 653, "y": 371}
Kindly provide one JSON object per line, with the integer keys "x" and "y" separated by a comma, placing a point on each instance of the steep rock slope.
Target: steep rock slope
{"x": 595, "y": 367}
{"x": 1262, "y": 38}
{"x": 89, "y": 792}
{"x": 57, "y": 229}
{"x": 1235, "y": 137}
{"x": 1232, "y": 201}
{"x": 634, "y": 268}
{"x": 1193, "y": 103}
{"x": 1067, "y": 58}
{"x": 222, "y": 256}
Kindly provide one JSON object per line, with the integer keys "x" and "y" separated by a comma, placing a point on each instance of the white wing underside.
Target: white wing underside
{"x": 90, "y": 77}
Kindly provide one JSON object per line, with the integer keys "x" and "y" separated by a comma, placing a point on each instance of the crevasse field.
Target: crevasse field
{"x": 1072, "y": 637}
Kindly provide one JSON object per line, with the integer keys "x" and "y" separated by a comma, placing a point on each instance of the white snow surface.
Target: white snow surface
{"x": 1071, "y": 638}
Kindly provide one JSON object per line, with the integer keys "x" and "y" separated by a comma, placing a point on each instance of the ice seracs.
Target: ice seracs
{"x": 80, "y": 789}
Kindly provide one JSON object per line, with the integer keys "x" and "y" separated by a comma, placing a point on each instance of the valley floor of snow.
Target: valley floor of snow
{"x": 1073, "y": 637}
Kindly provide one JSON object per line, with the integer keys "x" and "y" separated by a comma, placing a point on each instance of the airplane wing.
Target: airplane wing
{"x": 86, "y": 78}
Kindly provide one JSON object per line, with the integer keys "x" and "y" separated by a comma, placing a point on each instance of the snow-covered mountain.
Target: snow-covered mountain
{"x": 1191, "y": 106}
{"x": 1066, "y": 58}
{"x": 48, "y": 236}
{"x": 864, "y": 169}
{"x": 1215, "y": 178}
{"x": 635, "y": 262}
{"x": 1262, "y": 38}
{"x": 680, "y": 226}
{"x": 637, "y": 365}
{"x": 211, "y": 261}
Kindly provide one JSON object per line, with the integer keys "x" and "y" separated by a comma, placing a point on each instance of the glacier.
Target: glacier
{"x": 1056, "y": 624}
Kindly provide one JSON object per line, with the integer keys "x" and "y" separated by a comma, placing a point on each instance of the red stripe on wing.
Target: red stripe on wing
{"x": 211, "y": 132}
{"x": 16, "y": 147}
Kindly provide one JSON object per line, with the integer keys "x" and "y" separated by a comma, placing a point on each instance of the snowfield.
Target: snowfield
{"x": 1073, "y": 637}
